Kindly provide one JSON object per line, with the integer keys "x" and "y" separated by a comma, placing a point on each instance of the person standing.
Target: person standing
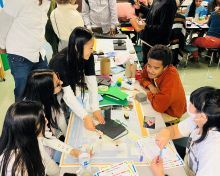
{"x": 159, "y": 21}
{"x": 102, "y": 13}
{"x": 65, "y": 18}
{"x": 22, "y": 37}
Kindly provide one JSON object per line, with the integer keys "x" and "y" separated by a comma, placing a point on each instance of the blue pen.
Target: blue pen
{"x": 161, "y": 153}
{"x": 134, "y": 168}
{"x": 141, "y": 153}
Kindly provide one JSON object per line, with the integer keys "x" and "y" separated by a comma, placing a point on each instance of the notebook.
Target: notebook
{"x": 112, "y": 129}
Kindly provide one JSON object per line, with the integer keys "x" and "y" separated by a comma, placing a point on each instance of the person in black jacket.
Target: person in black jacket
{"x": 159, "y": 22}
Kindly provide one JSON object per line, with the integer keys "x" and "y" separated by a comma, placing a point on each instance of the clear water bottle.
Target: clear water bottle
{"x": 84, "y": 161}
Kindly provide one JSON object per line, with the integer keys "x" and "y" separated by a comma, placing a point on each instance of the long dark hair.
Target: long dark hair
{"x": 215, "y": 3}
{"x": 192, "y": 9}
{"x": 40, "y": 87}
{"x": 24, "y": 121}
{"x": 75, "y": 61}
{"x": 207, "y": 100}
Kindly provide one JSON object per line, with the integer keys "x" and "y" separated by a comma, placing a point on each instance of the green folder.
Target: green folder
{"x": 114, "y": 92}
{"x": 107, "y": 100}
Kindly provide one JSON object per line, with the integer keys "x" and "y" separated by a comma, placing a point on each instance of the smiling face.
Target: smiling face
{"x": 88, "y": 49}
{"x": 154, "y": 68}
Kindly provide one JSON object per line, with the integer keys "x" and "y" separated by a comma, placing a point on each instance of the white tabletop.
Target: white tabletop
{"x": 194, "y": 25}
{"x": 106, "y": 45}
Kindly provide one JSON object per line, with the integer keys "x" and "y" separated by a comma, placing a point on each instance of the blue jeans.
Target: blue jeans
{"x": 20, "y": 69}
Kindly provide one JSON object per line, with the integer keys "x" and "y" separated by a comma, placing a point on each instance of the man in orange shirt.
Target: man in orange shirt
{"x": 161, "y": 78}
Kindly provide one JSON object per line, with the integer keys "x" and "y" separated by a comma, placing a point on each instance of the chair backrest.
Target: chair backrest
{"x": 178, "y": 31}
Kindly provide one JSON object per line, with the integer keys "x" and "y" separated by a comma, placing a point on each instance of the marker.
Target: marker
{"x": 141, "y": 158}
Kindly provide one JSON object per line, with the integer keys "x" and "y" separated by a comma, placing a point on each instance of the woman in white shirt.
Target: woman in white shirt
{"x": 76, "y": 68}
{"x": 23, "y": 142}
{"x": 65, "y": 18}
{"x": 45, "y": 86}
{"x": 22, "y": 37}
{"x": 203, "y": 130}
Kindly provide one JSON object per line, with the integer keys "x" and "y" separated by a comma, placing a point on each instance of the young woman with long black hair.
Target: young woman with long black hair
{"x": 196, "y": 7}
{"x": 19, "y": 151}
{"x": 76, "y": 68}
{"x": 23, "y": 142}
{"x": 45, "y": 86}
{"x": 203, "y": 130}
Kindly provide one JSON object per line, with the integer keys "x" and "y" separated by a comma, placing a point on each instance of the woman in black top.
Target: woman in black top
{"x": 76, "y": 67}
{"x": 159, "y": 22}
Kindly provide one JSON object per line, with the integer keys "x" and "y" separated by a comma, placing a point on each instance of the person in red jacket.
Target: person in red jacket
{"x": 161, "y": 79}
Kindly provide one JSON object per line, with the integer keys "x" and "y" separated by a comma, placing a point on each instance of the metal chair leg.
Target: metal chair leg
{"x": 218, "y": 60}
{"x": 211, "y": 60}
{"x": 187, "y": 58}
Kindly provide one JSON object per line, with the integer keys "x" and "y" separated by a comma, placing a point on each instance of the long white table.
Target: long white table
{"x": 186, "y": 3}
{"x": 77, "y": 134}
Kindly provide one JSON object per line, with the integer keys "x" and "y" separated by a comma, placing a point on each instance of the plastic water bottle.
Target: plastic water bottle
{"x": 84, "y": 161}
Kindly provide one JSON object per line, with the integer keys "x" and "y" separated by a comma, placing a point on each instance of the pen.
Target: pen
{"x": 161, "y": 153}
{"x": 141, "y": 153}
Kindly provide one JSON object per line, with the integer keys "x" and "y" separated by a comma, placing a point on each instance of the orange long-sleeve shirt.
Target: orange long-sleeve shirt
{"x": 171, "y": 97}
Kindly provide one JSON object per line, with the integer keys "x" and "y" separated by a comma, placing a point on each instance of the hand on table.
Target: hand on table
{"x": 98, "y": 116}
{"x": 112, "y": 31}
{"x": 157, "y": 166}
{"x": 88, "y": 123}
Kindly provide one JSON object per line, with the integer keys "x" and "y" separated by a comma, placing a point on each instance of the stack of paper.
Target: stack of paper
{"x": 150, "y": 150}
{"x": 122, "y": 169}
